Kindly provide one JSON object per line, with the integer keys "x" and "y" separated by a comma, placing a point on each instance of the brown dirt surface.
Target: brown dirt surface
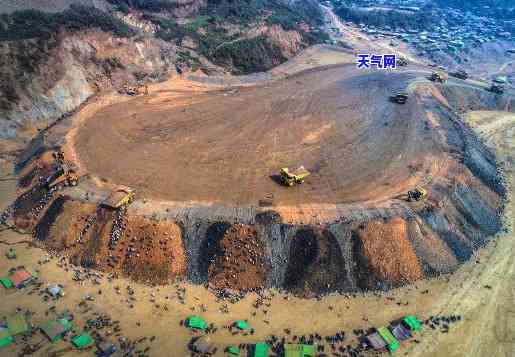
{"x": 147, "y": 250}
{"x": 159, "y": 252}
{"x": 239, "y": 263}
{"x": 228, "y": 145}
{"x": 388, "y": 252}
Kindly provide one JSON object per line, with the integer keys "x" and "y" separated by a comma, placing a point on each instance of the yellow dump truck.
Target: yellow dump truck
{"x": 121, "y": 196}
{"x": 297, "y": 176}
{"x": 418, "y": 194}
{"x": 441, "y": 77}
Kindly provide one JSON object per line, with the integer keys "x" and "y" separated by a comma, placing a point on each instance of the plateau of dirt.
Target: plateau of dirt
{"x": 203, "y": 158}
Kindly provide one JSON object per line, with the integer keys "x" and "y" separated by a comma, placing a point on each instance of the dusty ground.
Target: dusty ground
{"x": 228, "y": 145}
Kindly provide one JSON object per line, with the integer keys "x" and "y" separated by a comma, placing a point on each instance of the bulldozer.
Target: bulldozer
{"x": 399, "y": 97}
{"x": 418, "y": 194}
{"x": 496, "y": 88}
{"x": 134, "y": 90}
{"x": 461, "y": 74}
{"x": 297, "y": 176}
{"x": 440, "y": 77}
{"x": 63, "y": 175}
{"x": 119, "y": 197}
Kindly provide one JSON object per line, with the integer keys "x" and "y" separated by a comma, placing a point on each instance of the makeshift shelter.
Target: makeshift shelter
{"x": 82, "y": 341}
{"x": 412, "y": 323}
{"x": 196, "y": 322}
{"x": 241, "y": 325}
{"x": 56, "y": 329}
{"x": 261, "y": 349}
{"x": 203, "y": 344}
{"x": 106, "y": 349}
{"x": 6, "y": 283}
{"x": 375, "y": 341}
{"x": 21, "y": 278}
{"x": 298, "y": 350}
{"x": 392, "y": 343}
{"x": 11, "y": 253}
{"x": 400, "y": 332}
{"x": 5, "y": 338}
{"x": 17, "y": 324}
{"x": 233, "y": 350}
{"x": 55, "y": 291}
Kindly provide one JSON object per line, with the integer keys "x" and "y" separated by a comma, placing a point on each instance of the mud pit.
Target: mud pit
{"x": 201, "y": 159}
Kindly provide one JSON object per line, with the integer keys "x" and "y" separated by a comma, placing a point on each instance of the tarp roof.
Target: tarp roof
{"x": 6, "y": 282}
{"x": 400, "y": 332}
{"x": 242, "y": 325}
{"x": 55, "y": 329}
{"x": 375, "y": 341}
{"x": 298, "y": 350}
{"x": 196, "y": 322}
{"x": 17, "y": 324}
{"x": 5, "y": 338}
{"x": 261, "y": 349}
{"x": 390, "y": 339}
{"x": 82, "y": 341}
{"x": 234, "y": 350}
{"x": 20, "y": 277}
{"x": 413, "y": 323}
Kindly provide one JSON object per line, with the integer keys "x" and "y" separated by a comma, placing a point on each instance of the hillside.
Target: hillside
{"x": 106, "y": 44}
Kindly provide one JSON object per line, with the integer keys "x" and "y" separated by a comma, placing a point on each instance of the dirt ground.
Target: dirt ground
{"x": 228, "y": 145}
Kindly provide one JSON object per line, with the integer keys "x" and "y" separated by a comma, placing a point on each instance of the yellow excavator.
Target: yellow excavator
{"x": 297, "y": 176}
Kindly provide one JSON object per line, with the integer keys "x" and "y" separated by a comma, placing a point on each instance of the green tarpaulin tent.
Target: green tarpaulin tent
{"x": 56, "y": 329}
{"x": 412, "y": 323}
{"x": 196, "y": 322}
{"x": 393, "y": 344}
{"x": 233, "y": 351}
{"x": 17, "y": 324}
{"x": 82, "y": 341}
{"x": 6, "y": 282}
{"x": 241, "y": 325}
{"x": 298, "y": 350}
{"x": 261, "y": 349}
{"x": 5, "y": 338}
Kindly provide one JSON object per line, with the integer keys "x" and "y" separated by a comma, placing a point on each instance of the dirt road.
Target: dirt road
{"x": 483, "y": 294}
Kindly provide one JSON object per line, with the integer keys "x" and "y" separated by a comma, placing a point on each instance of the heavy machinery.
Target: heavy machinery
{"x": 402, "y": 62}
{"x": 496, "y": 88}
{"x": 63, "y": 175}
{"x": 297, "y": 176}
{"x": 461, "y": 74}
{"x": 418, "y": 194}
{"x": 121, "y": 196}
{"x": 399, "y": 97}
{"x": 134, "y": 90}
{"x": 439, "y": 77}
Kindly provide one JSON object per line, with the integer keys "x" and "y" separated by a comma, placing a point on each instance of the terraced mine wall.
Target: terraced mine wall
{"x": 345, "y": 248}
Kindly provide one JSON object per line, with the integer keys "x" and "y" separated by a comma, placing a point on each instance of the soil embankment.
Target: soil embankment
{"x": 200, "y": 172}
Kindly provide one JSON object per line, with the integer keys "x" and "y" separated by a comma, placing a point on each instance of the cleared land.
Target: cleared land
{"x": 228, "y": 145}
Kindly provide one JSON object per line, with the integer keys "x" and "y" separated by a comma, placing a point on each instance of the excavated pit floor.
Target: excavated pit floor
{"x": 228, "y": 145}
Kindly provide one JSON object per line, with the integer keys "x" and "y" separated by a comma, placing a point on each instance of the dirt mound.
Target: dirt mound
{"x": 316, "y": 263}
{"x": 239, "y": 262}
{"x": 108, "y": 240}
{"x": 387, "y": 256}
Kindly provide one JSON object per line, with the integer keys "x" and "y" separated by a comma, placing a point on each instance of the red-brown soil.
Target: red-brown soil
{"x": 240, "y": 261}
